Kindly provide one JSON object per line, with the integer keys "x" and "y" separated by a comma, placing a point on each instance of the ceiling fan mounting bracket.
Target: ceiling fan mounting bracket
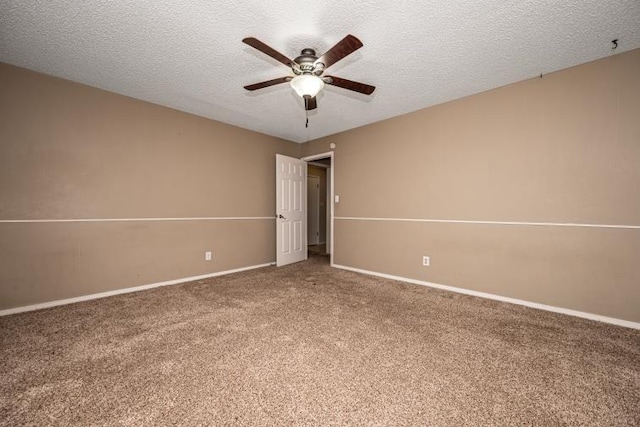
{"x": 307, "y": 56}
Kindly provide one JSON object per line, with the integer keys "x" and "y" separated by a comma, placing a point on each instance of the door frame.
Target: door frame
{"x": 331, "y": 200}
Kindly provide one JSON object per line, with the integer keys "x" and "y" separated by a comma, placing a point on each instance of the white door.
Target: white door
{"x": 313, "y": 210}
{"x": 291, "y": 205}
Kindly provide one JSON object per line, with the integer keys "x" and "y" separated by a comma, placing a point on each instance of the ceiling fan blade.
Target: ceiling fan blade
{"x": 344, "y": 47}
{"x": 257, "y": 44}
{"x": 268, "y": 83}
{"x": 310, "y": 103}
{"x": 349, "y": 84}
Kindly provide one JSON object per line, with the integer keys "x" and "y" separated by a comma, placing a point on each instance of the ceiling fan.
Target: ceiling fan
{"x": 308, "y": 69}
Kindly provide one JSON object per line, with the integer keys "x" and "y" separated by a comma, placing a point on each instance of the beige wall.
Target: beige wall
{"x": 68, "y": 151}
{"x": 564, "y": 148}
{"x": 561, "y": 149}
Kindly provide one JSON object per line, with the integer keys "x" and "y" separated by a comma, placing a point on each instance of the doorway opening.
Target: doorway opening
{"x": 315, "y": 203}
{"x": 319, "y": 205}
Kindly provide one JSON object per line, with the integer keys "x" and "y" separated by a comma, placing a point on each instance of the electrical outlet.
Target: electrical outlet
{"x": 207, "y": 256}
{"x": 426, "y": 261}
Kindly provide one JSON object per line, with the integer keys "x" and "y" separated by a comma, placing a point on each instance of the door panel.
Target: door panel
{"x": 291, "y": 216}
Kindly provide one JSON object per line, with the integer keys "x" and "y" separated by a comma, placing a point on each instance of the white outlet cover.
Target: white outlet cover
{"x": 426, "y": 261}
{"x": 207, "y": 256}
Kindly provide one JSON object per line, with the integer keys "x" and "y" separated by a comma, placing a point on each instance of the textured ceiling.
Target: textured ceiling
{"x": 189, "y": 55}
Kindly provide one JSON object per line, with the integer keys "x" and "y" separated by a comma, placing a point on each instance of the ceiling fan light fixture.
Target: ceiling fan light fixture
{"x": 307, "y": 85}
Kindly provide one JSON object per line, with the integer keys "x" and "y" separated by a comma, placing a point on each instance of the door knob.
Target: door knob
{"x": 281, "y": 217}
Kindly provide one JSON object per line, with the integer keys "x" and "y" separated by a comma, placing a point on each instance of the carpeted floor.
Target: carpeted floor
{"x": 310, "y": 345}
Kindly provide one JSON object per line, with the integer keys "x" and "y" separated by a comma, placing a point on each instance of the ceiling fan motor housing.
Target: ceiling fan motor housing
{"x": 306, "y": 63}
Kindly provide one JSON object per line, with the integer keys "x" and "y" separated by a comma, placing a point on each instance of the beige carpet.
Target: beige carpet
{"x": 311, "y": 345}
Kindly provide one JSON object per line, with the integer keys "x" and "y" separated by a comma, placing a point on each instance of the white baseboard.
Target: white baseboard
{"x": 590, "y": 316}
{"x": 125, "y": 291}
